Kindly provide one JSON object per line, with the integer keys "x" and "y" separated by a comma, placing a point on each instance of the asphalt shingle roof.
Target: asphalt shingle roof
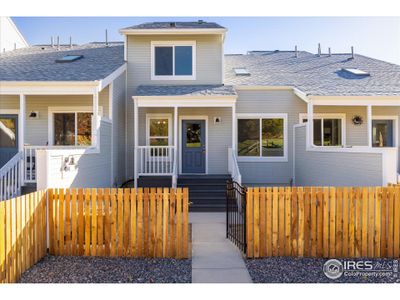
{"x": 176, "y": 25}
{"x": 185, "y": 90}
{"x": 315, "y": 75}
{"x": 37, "y": 63}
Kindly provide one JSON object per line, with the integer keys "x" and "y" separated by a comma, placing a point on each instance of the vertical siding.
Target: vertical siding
{"x": 333, "y": 168}
{"x": 279, "y": 101}
{"x": 119, "y": 98}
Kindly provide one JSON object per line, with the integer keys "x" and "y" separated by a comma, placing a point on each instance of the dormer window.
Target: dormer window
{"x": 173, "y": 60}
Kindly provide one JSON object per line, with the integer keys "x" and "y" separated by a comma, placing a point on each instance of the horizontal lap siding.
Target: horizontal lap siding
{"x": 283, "y": 101}
{"x": 9, "y": 102}
{"x": 220, "y": 135}
{"x": 93, "y": 169}
{"x": 335, "y": 169}
{"x": 119, "y": 127}
{"x": 208, "y": 71}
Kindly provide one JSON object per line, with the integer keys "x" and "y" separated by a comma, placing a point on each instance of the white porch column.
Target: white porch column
{"x": 21, "y": 134}
{"x": 95, "y": 119}
{"x": 21, "y": 122}
{"x": 310, "y": 123}
{"x": 176, "y": 131}
{"x": 369, "y": 125}
{"x": 234, "y": 124}
{"x": 135, "y": 140}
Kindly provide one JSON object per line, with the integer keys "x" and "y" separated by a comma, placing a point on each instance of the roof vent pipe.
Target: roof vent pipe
{"x": 296, "y": 53}
{"x": 329, "y": 51}
{"x": 58, "y": 43}
{"x": 52, "y": 42}
{"x": 70, "y": 42}
{"x": 319, "y": 49}
{"x": 15, "y": 46}
{"x": 106, "y": 38}
{"x": 352, "y": 52}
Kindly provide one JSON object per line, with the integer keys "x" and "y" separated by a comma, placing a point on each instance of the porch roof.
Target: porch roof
{"x": 185, "y": 90}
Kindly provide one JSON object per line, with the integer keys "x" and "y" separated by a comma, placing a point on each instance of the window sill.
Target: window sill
{"x": 261, "y": 159}
{"x": 176, "y": 77}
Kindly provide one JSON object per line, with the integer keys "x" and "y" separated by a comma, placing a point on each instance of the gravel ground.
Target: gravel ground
{"x": 69, "y": 269}
{"x": 303, "y": 270}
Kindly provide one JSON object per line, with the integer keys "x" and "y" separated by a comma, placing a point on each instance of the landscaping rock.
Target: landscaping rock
{"x": 77, "y": 269}
{"x": 303, "y": 270}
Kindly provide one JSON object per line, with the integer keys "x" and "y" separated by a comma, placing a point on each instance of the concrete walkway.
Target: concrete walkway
{"x": 214, "y": 258}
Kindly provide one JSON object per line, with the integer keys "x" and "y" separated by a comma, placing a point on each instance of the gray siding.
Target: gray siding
{"x": 279, "y": 101}
{"x": 119, "y": 128}
{"x": 208, "y": 71}
{"x": 219, "y": 135}
{"x": 334, "y": 169}
{"x": 94, "y": 169}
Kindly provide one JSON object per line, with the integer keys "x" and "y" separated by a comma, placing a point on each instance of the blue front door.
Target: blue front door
{"x": 193, "y": 146}
{"x": 8, "y": 137}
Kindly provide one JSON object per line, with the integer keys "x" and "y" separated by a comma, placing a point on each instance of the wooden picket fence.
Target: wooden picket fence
{"x": 119, "y": 222}
{"x": 22, "y": 234}
{"x": 323, "y": 222}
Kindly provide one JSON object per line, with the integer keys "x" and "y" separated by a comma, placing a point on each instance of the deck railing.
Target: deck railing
{"x": 156, "y": 160}
{"x": 10, "y": 178}
{"x": 233, "y": 166}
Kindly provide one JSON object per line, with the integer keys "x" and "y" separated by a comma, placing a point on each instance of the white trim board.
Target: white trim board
{"x": 179, "y": 148}
{"x": 158, "y": 116}
{"x": 172, "y": 44}
{"x": 66, "y": 109}
{"x": 260, "y": 158}
{"x": 395, "y": 120}
{"x": 319, "y": 116}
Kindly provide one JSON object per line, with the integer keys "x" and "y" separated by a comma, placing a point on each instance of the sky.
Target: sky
{"x": 377, "y": 37}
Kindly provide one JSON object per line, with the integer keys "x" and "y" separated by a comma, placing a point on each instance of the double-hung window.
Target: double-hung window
{"x": 158, "y": 132}
{"x": 329, "y": 129}
{"x": 262, "y": 137}
{"x": 173, "y": 60}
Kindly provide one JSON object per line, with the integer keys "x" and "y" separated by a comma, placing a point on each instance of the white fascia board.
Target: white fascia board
{"x": 173, "y": 31}
{"x": 48, "y": 87}
{"x": 195, "y": 101}
{"x": 110, "y": 78}
{"x": 262, "y": 88}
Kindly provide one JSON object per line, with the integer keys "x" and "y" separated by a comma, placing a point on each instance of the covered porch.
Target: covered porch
{"x": 45, "y": 132}
{"x": 366, "y": 128}
{"x": 183, "y": 130}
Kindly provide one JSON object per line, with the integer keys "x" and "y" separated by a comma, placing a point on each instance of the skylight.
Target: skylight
{"x": 357, "y": 72}
{"x": 241, "y": 71}
{"x": 69, "y": 58}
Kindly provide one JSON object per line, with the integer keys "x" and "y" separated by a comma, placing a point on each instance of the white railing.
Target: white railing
{"x": 233, "y": 166}
{"x": 31, "y": 163}
{"x": 10, "y": 178}
{"x": 155, "y": 160}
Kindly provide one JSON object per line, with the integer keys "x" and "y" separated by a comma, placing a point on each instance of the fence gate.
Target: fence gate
{"x": 236, "y": 214}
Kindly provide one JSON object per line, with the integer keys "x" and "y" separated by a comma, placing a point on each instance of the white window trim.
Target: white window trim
{"x": 395, "y": 120}
{"x": 158, "y": 117}
{"x": 68, "y": 109}
{"x": 321, "y": 116}
{"x": 283, "y": 158}
{"x": 172, "y": 44}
